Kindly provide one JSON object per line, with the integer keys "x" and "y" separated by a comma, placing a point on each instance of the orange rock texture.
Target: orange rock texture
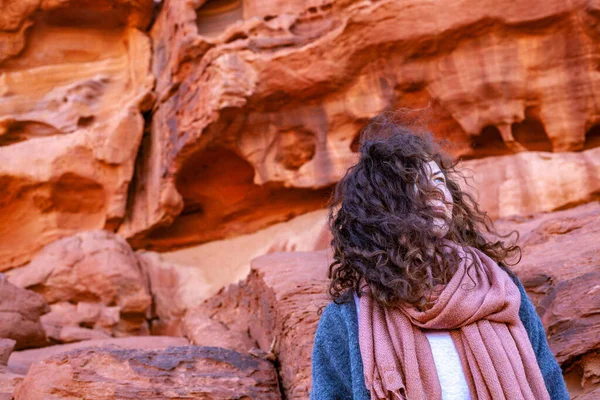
{"x": 212, "y": 131}
{"x": 74, "y": 78}
{"x": 256, "y": 118}
{"x": 173, "y": 373}
{"x": 561, "y": 272}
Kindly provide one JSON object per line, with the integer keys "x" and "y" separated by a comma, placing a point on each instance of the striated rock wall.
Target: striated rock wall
{"x": 74, "y": 78}
{"x": 255, "y": 119}
{"x": 561, "y": 272}
{"x": 258, "y": 107}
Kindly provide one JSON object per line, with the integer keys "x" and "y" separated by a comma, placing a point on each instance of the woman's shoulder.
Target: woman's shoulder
{"x": 335, "y": 310}
{"x": 338, "y": 316}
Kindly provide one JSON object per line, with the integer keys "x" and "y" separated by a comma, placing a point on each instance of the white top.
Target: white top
{"x": 447, "y": 363}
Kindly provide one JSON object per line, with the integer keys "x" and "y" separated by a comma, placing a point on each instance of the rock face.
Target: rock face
{"x": 277, "y": 305}
{"x": 21, "y": 310}
{"x": 174, "y": 288}
{"x": 184, "y": 278}
{"x": 561, "y": 272}
{"x": 93, "y": 281}
{"x": 259, "y": 104}
{"x": 533, "y": 182}
{"x": 200, "y": 133}
{"x": 173, "y": 373}
{"x": 74, "y": 78}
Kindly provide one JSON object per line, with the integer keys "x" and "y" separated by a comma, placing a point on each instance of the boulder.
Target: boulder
{"x": 21, "y": 311}
{"x": 92, "y": 280}
{"x": 67, "y": 322}
{"x": 278, "y": 306}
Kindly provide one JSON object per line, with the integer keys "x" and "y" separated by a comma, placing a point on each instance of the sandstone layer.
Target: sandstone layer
{"x": 20, "y": 361}
{"x": 258, "y": 112}
{"x": 74, "y": 78}
{"x": 172, "y": 373}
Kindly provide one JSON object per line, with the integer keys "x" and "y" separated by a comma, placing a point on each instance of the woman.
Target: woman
{"x": 424, "y": 305}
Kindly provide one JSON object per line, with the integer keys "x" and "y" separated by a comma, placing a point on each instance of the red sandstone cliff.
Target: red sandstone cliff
{"x": 197, "y": 128}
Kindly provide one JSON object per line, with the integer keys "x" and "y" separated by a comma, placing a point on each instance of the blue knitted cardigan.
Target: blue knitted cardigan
{"x": 337, "y": 369}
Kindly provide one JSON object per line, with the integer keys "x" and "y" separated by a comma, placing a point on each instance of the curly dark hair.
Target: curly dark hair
{"x": 383, "y": 229}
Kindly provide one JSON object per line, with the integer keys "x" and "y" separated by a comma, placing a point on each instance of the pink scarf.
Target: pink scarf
{"x": 483, "y": 319}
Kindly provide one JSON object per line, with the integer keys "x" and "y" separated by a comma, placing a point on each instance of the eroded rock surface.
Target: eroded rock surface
{"x": 74, "y": 78}
{"x": 533, "y": 182}
{"x": 277, "y": 305}
{"x": 20, "y": 361}
{"x": 561, "y": 272}
{"x": 172, "y": 373}
{"x": 258, "y": 110}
